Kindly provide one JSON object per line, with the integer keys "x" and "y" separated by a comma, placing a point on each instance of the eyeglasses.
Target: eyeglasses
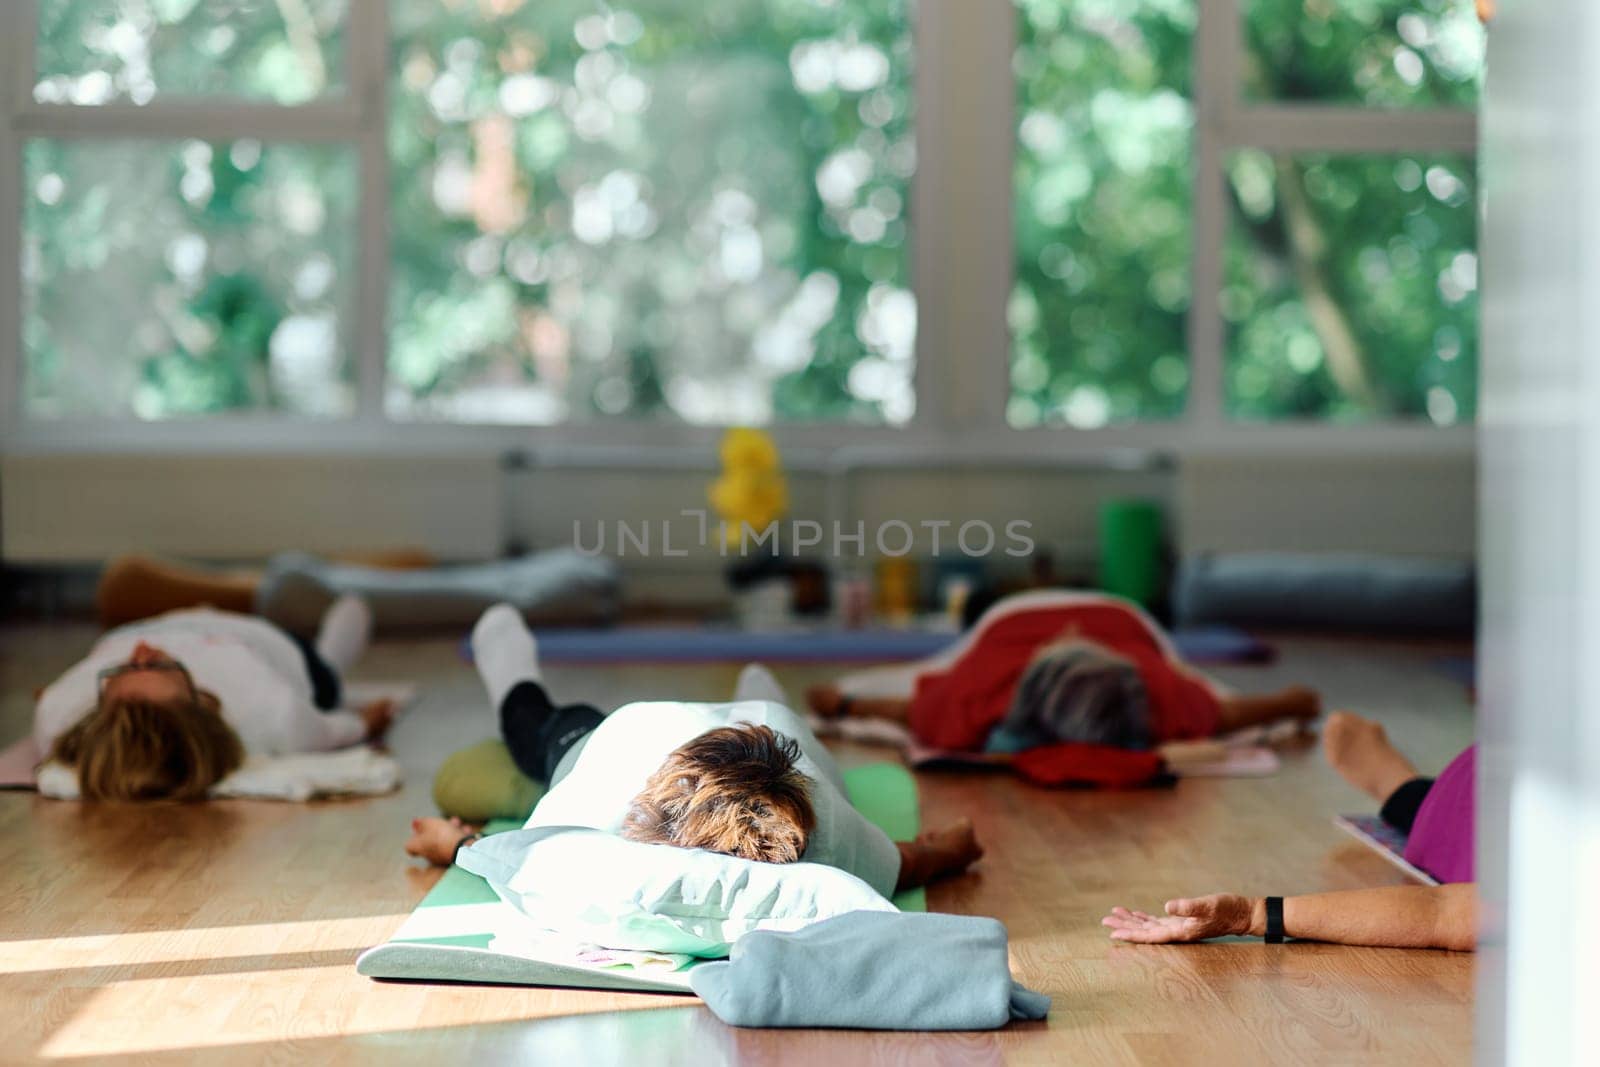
{"x": 128, "y": 668}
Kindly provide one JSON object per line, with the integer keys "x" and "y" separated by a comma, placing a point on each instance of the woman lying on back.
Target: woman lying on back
{"x": 1052, "y": 666}
{"x": 166, "y": 708}
{"x": 746, "y": 779}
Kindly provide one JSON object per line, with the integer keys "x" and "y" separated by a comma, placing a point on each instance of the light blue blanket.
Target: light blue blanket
{"x": 872, "y": 971}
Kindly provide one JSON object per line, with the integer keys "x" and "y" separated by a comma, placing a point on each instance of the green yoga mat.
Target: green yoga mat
{"x": 447, "y": 937}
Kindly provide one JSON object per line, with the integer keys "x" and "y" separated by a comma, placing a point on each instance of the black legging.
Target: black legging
{"x": 539, "y": 733}
{"x": 1400, "y": 810}
{"x": 325, "y": 687}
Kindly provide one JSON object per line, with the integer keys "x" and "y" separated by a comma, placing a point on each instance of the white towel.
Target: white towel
{"x": 358, "y": 771}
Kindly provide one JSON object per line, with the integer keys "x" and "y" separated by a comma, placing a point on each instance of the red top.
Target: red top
{"x": 956, "y": 707}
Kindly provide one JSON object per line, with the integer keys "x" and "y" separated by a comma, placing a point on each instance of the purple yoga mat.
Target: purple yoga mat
{"x": 639, "y": 644}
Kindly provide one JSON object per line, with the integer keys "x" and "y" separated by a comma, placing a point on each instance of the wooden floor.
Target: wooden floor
{"x": 227, "y": 932}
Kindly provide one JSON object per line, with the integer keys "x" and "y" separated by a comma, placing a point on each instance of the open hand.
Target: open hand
{"x": 435, "y": 839}
{"x": 1220, "y": 915}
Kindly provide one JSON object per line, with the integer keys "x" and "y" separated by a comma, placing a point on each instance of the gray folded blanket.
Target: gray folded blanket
{"x": 560, "y": 587}
{"x": 872, "y": 970}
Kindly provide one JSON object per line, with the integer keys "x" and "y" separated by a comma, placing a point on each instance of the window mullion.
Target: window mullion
{"x": 16, "y": 51}
{"x": 19, "y": 21}
{"x": 213, "y": 120}
{"x": 369, "y": 63}
{"x": 926, "y": 233}
{"x": 1216, "y": 100}
{"x": 964, "y": 225}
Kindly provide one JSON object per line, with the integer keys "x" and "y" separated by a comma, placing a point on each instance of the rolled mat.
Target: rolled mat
{"x": 1364, "y": 594}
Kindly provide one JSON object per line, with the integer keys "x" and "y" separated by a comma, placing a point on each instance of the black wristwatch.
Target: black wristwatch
{"x": 1274, "y": 921}
{"x": 469, "y": 839}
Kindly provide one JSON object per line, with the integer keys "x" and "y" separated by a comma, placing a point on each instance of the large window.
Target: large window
{"x": 690, "y": 212}
{"x": 1351, "y": 286}
{"x": 171, "y": 278}
{"x": 100, "y": 51}
{"x": 593, "y": 218}
{"x": 1335, "y": 242}
{"x": 1103, "y": 207}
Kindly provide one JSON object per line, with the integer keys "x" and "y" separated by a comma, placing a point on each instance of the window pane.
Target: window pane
{"x": 1352, "y": 287}
{"x": 691, "y": 211}
{"x": 1380, "y": 53}
{"x": 1102, "y": 201}
{"x": 98, "y": 51}
{"x": 164, "y": 279}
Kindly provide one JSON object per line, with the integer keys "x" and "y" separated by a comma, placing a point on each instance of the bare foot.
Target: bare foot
{"x": 435, "y": 839}
{"x": 377, "y": 716}
{"x": 826, "y": 700}
{"x": 1360, "y": 751}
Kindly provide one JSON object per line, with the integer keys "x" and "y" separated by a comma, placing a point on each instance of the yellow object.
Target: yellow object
{"x": 748, "y": 450}
{"x": 751, "y": 490}
{"x": 481, "y": 782}
{"x": 897, "y": 590}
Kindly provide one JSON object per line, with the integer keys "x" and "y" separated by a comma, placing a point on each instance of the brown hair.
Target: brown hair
{"x": 145, "y": 750}
{"x": 733, "y": 790}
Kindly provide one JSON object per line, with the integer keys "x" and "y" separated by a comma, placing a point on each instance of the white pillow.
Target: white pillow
{"x": 623, "y": 894}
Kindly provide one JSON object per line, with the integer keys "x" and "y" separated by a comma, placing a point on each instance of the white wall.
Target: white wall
{"x": 1403, "y": 505}
{"x": 1539, "y": 794}
{"x": 82, "y": 508}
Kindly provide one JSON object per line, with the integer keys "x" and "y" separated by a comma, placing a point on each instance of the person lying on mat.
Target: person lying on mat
{"x": 747, "y": 779}
{"x": 1435, "y": 813}
{"x": 166, "y": 708}
{"x": 1050, "y": 667}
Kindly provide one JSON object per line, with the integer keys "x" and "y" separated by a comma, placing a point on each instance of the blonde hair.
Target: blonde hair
{"x": 148, "y": 750}
{"x": 733, "y": 790}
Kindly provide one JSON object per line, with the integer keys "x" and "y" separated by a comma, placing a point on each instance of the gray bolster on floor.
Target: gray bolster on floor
{"x": 557, "y": 588}
{"x": 1370, "y": 594}
{"x": 871, "y": 971}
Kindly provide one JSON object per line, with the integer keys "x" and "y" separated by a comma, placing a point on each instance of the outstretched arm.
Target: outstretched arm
{"x": 830, "y": 702}
{"x": 1394, "y": 916}
{"x": 937, "y": 854}
{"x": 1239, "y": 711}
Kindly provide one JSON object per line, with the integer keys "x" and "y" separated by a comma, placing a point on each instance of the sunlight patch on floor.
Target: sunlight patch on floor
{"x": 214, "y": 1010}
{"x": 202, "y": 943}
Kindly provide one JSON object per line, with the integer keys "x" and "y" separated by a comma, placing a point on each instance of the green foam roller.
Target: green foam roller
{"x": 1132, "y": 549}
{"x": 481, "y": 782}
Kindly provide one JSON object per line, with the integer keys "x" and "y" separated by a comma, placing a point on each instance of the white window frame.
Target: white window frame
{"x": 961, "y": 248}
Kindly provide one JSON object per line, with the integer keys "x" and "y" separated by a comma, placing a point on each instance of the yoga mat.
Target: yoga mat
{"x": 1383, "y": 839}
{"x": 448, "y": 937}
{"x": 1205, "y": 645}
{"x": 1202, "y": 645}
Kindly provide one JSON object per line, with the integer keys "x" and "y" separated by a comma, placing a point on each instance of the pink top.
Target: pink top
{"x": 1442, "y": 835}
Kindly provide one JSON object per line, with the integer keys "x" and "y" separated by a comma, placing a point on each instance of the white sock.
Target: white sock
{"x": 346, "y": 628}
{"x": 757, "y": 683}
{"x": 504, "y": 652}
